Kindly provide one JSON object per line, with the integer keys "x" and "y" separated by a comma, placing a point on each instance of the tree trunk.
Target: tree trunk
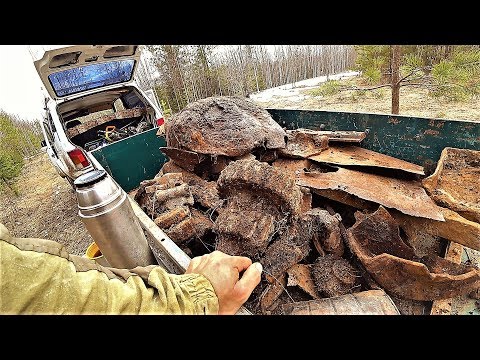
{"x": 395, "y": 63}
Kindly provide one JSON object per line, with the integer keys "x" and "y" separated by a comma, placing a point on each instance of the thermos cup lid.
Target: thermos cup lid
{"x": 89, "y": 178}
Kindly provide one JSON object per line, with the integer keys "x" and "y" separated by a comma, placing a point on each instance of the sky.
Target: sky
{"x": 20, "y": 86}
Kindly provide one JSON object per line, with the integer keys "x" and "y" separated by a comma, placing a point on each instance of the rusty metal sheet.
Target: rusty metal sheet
{"x": 358, "y": 156}
{"x": 372, "y": 302}
{"x": 456, "y": 182}
{"x": 406, "y": 196}
{"x": 229, "y": 126}
{"x": 376, "y": 242}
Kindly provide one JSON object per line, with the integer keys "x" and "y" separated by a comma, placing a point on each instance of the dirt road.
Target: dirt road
{"x": 45, "y": 208}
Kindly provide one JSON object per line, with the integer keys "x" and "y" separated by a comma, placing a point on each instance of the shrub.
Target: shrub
{"x": 17, "y": 139}
{"x": 328, "y": 88}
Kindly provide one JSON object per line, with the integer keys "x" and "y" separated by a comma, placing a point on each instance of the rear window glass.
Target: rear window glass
{"x": 71, "y": 81}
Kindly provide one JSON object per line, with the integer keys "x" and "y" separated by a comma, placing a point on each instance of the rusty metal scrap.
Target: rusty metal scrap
{"x": 372, "y": 302}
{"x": 271, "y": 293}
{"x": 376, "y": 242}
{"x": 252, "y": 229}
{"x": 172, "y": 217}
{"x": 264, "y": 180}
{"x": 292, "y": 166}
{"x": 334, "y": 276}
{"x": 358, "y": 156}
{"x": 196, "y": 162}
{"x": 455, "y": 183}
{"x": 301, "y": 275}
{"x": 194, "y": 226}
{"x": 333, "y": 136}
{"x": 327, "y": 234}
{"x": 406, "y": 196}
{"x": 223, "y": 125}
{"x": 290, "y": 249}
{"x": 444, "y": 306}
{"x": 184, "y": 158}
{"x": 173, "y": 197}
{"x": 455, "y": 228}
{"x": 303, "y": 145}
{"x": 204, "y": 192}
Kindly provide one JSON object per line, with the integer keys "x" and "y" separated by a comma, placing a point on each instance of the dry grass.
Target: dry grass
{"x": 413, "y": 102}
{"x": 46, "y": 207}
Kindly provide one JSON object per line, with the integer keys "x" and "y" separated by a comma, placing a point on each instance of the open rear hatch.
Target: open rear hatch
{"x": 77, "y": 69}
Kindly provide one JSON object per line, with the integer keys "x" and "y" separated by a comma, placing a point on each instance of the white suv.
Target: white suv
{"x": 94, "y": 101}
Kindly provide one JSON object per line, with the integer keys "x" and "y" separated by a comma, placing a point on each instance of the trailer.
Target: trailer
{"x": 413, "y": 139}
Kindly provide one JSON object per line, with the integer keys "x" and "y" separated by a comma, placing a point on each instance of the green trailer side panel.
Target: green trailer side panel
{"x": 418, "y": 140}
{"x": 134, "y": 159}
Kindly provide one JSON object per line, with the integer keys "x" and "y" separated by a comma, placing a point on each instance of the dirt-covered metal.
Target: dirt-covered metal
{"x": 223, "y": 125}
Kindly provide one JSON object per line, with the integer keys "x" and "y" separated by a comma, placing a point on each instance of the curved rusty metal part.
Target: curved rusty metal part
{"x": 223, "y": 125}
{"x": 358, "y": 156}
{"x": 456, "y": 182}
{"x": 372, "y": 302}
{"x": 406, "y": 196}
{"x": 375, "y": 240}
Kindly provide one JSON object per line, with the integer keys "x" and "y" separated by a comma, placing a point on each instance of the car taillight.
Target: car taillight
{"x": 160, "y": 121}
{"x": 78, "y": 158}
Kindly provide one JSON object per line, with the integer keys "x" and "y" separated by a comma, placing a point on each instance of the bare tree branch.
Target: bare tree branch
{"x": 366, "y": 88}
{"x": 410, "y": 74}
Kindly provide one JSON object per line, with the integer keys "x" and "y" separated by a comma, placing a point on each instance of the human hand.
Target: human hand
{"x": 223, "y": 272}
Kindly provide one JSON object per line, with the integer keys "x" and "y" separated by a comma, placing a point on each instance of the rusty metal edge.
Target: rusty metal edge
{"x": 165, "y": 250}
{"x": 454, "y": 254}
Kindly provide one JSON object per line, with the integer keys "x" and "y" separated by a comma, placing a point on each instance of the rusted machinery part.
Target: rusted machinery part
{"x": 223, "y": 125}
{"x": 328, "y": 235}
{"x": 455, "y": 183}
{"x": 264, "y": 180}
{"x": 292, "y": 247}
{"x": 375, "y": 240}
{"x": 245, "y": 232}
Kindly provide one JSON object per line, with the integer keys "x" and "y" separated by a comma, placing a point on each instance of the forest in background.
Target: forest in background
{"x": 192, "y": 72}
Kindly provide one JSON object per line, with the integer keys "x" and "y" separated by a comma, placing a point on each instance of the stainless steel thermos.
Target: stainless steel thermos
{"x": 110, "y": 220}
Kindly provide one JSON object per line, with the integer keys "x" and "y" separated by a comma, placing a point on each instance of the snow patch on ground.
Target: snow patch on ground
{"x": 292, "y": 91}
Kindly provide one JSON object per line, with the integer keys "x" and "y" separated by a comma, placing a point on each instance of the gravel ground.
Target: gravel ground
{"x": 45, "y": 207}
